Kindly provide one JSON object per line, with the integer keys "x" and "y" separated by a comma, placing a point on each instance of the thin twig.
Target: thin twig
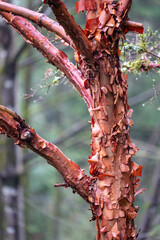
{"x": 144, "y": 96}
{"x": 61, "y": 185}
{"x": 155, "y": 55}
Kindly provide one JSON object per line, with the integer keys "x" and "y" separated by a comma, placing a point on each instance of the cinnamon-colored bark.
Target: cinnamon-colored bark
{"x": 39, "y": 18}
{"x": 99, "y": 80}
{"x": 13, "y": 126}
{"x": 115, "y": 183}
{"x": 51, "y": 53}
{"x": 123, "y": 8}
{"x": 134, "y": 27}
{"x": 71, "y": 27}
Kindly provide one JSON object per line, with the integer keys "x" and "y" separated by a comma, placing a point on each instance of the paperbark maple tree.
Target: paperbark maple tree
{"x": 113, "y": 184}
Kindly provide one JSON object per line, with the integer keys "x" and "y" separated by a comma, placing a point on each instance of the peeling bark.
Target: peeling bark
{"x": 39, "y": 18}
{"x": 115, "y": 181}
{"x": 51, "y": 53}
{"x": 98, "y": 78}
{"x": 13, "y": 126}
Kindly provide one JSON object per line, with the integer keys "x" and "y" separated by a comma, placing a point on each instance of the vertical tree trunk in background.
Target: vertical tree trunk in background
{"x": 59, "y": 195}
{"x": 12, "y": 191}
{"x": 26, "y": 112}
{"x": 2, "y": 143}
{"x": 1, "y": 213}
{"x": 57, "y": 214}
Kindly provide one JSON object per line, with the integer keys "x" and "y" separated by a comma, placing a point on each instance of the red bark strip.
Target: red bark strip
{"x": 71, "y": 27}
{"x": 51, "y": 53}
{"x": 13, "y": 126}
{"x": 134, "y": 27}
{"x": 39, "y": 18}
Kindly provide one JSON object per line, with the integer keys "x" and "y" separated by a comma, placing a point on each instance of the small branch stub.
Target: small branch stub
{"x": 26, "y": 135}
{"x": 61, "y": 185}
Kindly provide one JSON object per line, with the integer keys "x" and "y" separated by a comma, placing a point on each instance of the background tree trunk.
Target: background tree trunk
{"x": 11, "y": 188}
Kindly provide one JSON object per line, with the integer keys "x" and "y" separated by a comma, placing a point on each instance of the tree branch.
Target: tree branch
{"x": 39, "y": 18}
{"x": 51, "y": 53}
{"x": 124, "y": 7}
{"x": 13, "y": 126}
{"x": 144, "y": 66}
{"x": 71, "y": 27}
{"x": 134, "y": 27}
{"x": 155, "y": 55}
{"x": 151, "y": 65}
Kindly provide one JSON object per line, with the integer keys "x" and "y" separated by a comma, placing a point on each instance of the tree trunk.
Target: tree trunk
{"x": 12, "y": 191}
{"x": 114, "y": 181}
{"x": 98, "y": 78}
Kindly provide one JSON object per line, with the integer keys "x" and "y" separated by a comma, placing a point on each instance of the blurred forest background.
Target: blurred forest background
{"x": 30, "y": 206}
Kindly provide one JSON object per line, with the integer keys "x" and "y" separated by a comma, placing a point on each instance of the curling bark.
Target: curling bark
{"x": 98, "y": 78}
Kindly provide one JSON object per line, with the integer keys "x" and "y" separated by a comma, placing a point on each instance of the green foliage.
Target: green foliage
{"x": 134, "y": 66}
{"x": 138, "y": 52}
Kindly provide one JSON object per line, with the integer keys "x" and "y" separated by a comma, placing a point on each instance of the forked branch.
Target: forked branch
{"x": 51, "y": 53}
{"x": 13, "y": 126}
{"x": 71, "y": 27}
